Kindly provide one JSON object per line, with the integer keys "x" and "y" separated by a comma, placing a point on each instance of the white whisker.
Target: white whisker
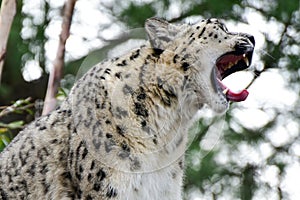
{"x": 263, "y": 52}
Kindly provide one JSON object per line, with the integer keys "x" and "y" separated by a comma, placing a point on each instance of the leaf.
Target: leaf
{"x": 13, "y": 125}
{"x": 62, "y": 94}
{"x": 3, "y": 130}
{"x": 29, "y": 111}
{"x": 5, "y": 140}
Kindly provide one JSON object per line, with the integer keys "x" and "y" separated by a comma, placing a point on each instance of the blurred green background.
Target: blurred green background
{"x": 253, "y": 152}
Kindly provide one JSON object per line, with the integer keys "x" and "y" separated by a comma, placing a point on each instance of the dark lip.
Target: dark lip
{"x": 214, "y": 81}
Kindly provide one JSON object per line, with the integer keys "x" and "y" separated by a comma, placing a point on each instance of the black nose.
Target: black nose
{"x": 245, "y": 44}
{"x": 250, "y": 37}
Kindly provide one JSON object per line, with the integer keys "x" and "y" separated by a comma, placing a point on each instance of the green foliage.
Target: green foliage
{"x": 132, "y": 14}
{"x": 12, "y": 125}
{"x": 248, "y": 183}
{"x": 5, "y": 132}
{"x": 20, "y": 108}
{"x": 213, "y": 8}
{"x": 5, "y": 138}
{"x": 284, "y": 9}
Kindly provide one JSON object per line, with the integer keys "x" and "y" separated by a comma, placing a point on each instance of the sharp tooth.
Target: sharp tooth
{"x": 244, "y": 55}
{"x": 229, "y": 65}
{"x": 225, "y": 91}
{"x": 246, "y": 61}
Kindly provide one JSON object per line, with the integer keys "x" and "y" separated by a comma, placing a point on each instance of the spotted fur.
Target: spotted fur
{"x": 122, "y": 132}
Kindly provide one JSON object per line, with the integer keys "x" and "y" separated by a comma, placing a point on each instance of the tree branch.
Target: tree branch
{"x": 17, "y": 106}
{"x": 7, "y": 14}
{"x": 58, "y": 63}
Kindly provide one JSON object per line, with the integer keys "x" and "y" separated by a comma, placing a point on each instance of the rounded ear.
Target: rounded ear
{"x": 160, "y": 32}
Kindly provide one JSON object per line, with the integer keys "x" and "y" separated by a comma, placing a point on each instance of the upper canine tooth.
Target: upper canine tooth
{"x": 246, "y": 61}
{"x": 244, "y": 55}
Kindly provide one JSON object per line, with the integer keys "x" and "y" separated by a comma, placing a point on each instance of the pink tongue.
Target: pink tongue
{"x": 239, "y": 96}
{"x": 234, "y": 96}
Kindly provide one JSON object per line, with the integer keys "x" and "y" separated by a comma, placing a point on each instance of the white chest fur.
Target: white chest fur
{"x": 163, "y": 184}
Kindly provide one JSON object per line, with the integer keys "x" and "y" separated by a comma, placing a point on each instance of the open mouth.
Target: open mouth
{"x": 227, "y": 64}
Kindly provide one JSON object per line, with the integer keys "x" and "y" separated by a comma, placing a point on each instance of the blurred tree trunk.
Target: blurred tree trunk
{"x": 58, "y": 64}
{"x": 7, "y": 13}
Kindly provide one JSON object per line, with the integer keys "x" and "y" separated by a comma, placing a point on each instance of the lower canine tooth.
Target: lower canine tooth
{"x": 246, "y": 61}
{"x": 225, "y": 91}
